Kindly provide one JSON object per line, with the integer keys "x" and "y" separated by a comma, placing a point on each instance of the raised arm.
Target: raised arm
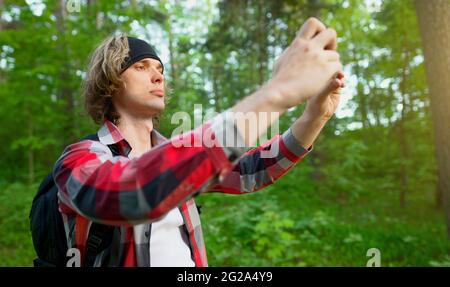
{"x": 117, "y": 190}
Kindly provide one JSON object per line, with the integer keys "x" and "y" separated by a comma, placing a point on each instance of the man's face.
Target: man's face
{"x": 143, "y": 92}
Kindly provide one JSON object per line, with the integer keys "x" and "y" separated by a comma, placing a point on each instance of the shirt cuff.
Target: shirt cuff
{"x": 228, "y": 135}
{"x": 229, "y": 143}
{"x": 293, "y": 146}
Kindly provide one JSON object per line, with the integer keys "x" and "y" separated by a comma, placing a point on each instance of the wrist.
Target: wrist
{"x": 274, "y": 97}
{"x": 313, "y": 118}
{"x": 306, "y": 129}
{"x": 259, "y": 106}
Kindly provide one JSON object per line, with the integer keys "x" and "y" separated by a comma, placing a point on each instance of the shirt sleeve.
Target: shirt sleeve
{"x": 263, "y": 165}
{"x": 117, "y": 190}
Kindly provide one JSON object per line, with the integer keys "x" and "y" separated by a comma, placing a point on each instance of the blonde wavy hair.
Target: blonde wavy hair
{"x": 103, "y": 78}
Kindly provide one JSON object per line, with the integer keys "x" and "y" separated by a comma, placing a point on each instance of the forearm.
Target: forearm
{"x": 256, "y": 170}
{"x": 306, "y": 129}
{"x": 256, "y": 113}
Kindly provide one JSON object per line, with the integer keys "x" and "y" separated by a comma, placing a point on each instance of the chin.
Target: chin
{"x": 157, "y": 108}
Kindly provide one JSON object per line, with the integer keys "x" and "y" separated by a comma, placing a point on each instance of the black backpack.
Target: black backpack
{"x": 47, "y": 227}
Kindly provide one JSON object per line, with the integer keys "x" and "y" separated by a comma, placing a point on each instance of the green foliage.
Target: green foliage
{"x": 444, "y": 263}
{"x": 341, "y": 200}
{"x": 16, "y": 246}
{"x": 294, "y": 224}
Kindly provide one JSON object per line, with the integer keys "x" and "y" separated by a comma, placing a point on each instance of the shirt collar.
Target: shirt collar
{"x": 109, "y": 134}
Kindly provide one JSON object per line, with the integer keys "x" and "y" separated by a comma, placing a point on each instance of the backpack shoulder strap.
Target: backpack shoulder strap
{"x": 99, "y": 238}
{"x": 100, "y": 235}
{"x": 45, "y": 185}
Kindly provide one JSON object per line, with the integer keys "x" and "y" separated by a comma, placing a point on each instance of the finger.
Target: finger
{"x": 310, "y": 28}
{"x": 341, "y": 82}
{"x": 335, "y": 69}
{"x": 331, "y": 55}
{"x": 327, "y": 39}
{"x": 341, "y": 77}
{"x": 333, "y": 85}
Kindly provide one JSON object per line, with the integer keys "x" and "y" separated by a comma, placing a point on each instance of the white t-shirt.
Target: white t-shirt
{"x": 167, "y": 247}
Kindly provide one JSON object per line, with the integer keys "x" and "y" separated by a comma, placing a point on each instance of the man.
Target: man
{"x": 147, "y": 190}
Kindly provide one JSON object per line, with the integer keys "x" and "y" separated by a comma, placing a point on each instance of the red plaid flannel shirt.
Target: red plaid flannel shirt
{"x": 96, "y": 186}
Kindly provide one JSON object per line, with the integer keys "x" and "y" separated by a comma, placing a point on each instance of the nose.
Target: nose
{"x": 157, "y": 77}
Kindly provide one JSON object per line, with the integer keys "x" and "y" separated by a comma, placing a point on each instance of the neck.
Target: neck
{"x": 137, "y": 132}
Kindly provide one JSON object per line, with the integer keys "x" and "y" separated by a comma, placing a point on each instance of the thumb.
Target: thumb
{"x": 332, "y": 85}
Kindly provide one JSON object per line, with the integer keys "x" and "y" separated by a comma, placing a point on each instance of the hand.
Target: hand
{"x": 307, "y": 67}
{"x": 318, "y": 111}
{"x": 323, "y": 106}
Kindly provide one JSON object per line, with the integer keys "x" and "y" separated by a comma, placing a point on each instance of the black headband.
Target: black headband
{"x": 139, "y": 50}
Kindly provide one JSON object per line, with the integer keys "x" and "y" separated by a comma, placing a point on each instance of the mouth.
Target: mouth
{"x": 159, "y": 93}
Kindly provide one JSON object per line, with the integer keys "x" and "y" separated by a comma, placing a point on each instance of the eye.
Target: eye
{"x": 140, "y": 67}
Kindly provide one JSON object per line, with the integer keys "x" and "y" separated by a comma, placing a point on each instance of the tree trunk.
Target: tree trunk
{"x": 360, "y": 97}
{"x": 65, "y": 91}
{"x": 434, "y": 24}
{"x": 173, "y": 65}
{"x": 404, "y": 153}
{"x": 313, "y": 8}
{"x": 439, "y": 198}
{"x": 404, "y": 146}
{"x": 262, "y": 42}
{"x": 1, "y": 9}
{"x": 216, "y": 87}
{"x": 90, "y": 9}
